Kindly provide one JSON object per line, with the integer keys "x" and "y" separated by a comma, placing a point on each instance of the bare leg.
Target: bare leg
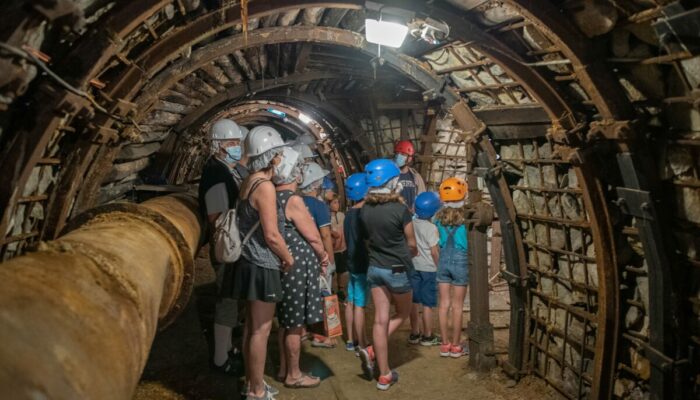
{"x": 245, "y": 341}
{"x": 457, "y": 304}
{"x": 415, "y": 322}
{"x": 293, "y": 346}
{"x": 427, "y": 321}
{"x": 282, "y": 373}
{"x": 349, "y": 317}
{"x": 380, "y": 331}
{"x": 443, "y": 309}
{"x": 261, "y": 314}
{"x": 359, "y": 322}
{"x": 403, "y": 305}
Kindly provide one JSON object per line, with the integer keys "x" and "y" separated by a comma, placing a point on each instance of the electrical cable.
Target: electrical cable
{"x": 35, "y": 60}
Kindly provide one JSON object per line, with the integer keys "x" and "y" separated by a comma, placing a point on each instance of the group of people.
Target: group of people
{"x": 405, "y": 246}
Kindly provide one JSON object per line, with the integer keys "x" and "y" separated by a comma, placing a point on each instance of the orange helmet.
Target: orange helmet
{"x": 453, "y": 189}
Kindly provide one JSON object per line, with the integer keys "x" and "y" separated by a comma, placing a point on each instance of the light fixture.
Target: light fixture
{"x": 278, "y": 113}
{"x": 385, "y": 33}
{"x": 304, "y": 118}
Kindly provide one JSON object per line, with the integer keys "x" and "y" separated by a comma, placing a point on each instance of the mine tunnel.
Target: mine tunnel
{"x": 576, "y": 123}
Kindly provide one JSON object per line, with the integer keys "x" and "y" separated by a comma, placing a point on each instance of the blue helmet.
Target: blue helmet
{"x": 328, "y": 184}
{"x": 427, "y": 204}
{"x": 381, "y": 171}
{"x": 356, "y": 186}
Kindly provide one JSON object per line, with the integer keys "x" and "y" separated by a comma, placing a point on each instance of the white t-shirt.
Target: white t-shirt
{"x": 426, "y": 237}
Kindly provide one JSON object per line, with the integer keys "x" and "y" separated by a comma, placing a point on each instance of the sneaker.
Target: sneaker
{"x": 431, "y": 340}
{"x": 458, "y": 351}
{"x": 367, "y": 358}
{"x": 385, "y": 382}
{"x": 268, "y": 388}
{"x": 350, "y": 346}
{"x": 231, "y": 367}
{"x": 445, "y": 349}
{"x": 414, "y": 338}
{"x": 267, "y": 396}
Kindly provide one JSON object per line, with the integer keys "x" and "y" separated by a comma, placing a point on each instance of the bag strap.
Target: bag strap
{"x": 255, "y": 227}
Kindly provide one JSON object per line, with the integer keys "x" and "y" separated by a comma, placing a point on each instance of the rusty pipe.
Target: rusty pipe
{"x": 78, "y": 317}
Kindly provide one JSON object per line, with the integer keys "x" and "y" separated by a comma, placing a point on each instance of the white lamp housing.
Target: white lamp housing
{"x": 385, "y": 33}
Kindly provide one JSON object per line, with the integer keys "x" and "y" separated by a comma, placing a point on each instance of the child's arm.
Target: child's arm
{"x": 411, "y": 239}
{"x": 435, "y": 253}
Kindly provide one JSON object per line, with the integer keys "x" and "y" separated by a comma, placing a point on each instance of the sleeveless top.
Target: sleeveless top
{"x": 256, "y": 250}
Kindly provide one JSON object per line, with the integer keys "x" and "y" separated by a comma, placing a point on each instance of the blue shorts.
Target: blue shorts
{"x": 357, "y": 289}
{"x": 424, "y": 288}
{"x": 452, "y": 267}
{"x": 395, "y": 282}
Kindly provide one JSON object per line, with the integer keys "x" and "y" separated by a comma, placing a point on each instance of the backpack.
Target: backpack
{"x": 227, "y": 237}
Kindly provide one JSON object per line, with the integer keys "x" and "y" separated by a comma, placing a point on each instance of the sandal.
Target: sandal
{"x": 322, "y": 345}
{"x": 299, "y": 383}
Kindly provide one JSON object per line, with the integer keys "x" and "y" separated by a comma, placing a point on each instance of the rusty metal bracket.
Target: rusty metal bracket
{"x": 612, "y": 130}
{"x": 661, "y": 360}
{"x": 103, "y": 134}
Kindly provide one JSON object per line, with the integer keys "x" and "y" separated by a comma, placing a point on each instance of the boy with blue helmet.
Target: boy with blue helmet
{"x": 358, "y": 262}
{"x": 424, "y": 278}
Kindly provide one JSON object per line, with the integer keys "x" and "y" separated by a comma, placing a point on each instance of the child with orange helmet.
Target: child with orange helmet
{"x": 452, "y": 265}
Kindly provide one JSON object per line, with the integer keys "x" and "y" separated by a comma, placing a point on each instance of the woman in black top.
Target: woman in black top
{"x": 387, "y": 225}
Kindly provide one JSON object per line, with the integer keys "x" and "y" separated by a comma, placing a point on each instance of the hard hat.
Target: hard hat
{"x": 261, "y": 139}
{"x": 328, "y": 184}
{"x": 307, "y": 139}
{"x": 381, "y": 171}
{"x": 356, "y": 186}
{"x": 304, "y": 150}
{"x": 453, "y": 189}
{"x": 312, "y": 173}
{"x": 244, "y": 132}
{"x": 225, "y": 129}
{"x": 405, "y": 147}
{"x": 427, "y": 204}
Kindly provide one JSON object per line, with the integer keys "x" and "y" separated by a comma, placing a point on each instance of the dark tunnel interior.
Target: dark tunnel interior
{"x": 579, "y": 122}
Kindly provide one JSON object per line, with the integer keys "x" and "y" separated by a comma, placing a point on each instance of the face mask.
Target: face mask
{"x": 401, "y": 159}
{"x": 283, "y": 170}
{"x": 233, "y": 154}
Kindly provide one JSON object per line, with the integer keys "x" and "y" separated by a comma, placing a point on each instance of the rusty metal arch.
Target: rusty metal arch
{"x": 133, "y": 72}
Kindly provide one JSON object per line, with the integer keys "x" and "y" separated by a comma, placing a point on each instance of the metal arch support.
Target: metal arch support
{"x": 589, "y": 68}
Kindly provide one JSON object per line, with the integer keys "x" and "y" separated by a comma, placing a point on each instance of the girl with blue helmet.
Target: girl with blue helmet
{"x": 387, "y": 225}
{"x": 423, "y": 279}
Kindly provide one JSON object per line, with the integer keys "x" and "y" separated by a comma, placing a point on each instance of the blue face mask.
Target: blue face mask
{"x": 233, "y": 154}
{"x": 401, "y": 159}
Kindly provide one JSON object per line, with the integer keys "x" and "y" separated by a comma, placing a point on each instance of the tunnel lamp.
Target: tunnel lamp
{"x": 385, "y": 33}
{"x": 278, "y": 113}
{"x": 304, "y": 118}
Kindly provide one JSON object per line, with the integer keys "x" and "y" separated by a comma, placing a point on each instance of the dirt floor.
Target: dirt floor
{"x": 178, "y": 366}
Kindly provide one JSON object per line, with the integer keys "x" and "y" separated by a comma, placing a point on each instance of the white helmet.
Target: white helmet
{"x": 244, "y": 132}
{"x": 261, "y": 139}
{"x": 307, "y": 139}
{"x": 313, "y": 173}
{"x": 304, "y": 150}
{"x": 225, "y": 129}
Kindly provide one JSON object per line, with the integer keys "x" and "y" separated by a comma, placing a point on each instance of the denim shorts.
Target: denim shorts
{"x": 395, "y": 282}
{"x": 357, "y": 289}
{"x": 452, "y": 267}
{"x": 424, "y": 288}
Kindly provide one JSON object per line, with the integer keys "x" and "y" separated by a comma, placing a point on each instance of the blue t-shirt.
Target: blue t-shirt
{"x": 409, "y": 191}
{"x": 358, "y": 257}
{"x": 319, "y": 211}
{"x": 459, "y": 235}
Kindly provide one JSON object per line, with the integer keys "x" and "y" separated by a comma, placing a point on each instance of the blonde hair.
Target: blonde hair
{"x": 451, "y": 216}
{"x": 376, "y": 198}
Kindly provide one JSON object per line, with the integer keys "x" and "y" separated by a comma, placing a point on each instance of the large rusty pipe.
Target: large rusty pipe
{"x": 78, "y": 317}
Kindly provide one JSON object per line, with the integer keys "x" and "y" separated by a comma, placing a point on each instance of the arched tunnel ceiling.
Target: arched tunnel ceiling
{"x": 578, "y": 112}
